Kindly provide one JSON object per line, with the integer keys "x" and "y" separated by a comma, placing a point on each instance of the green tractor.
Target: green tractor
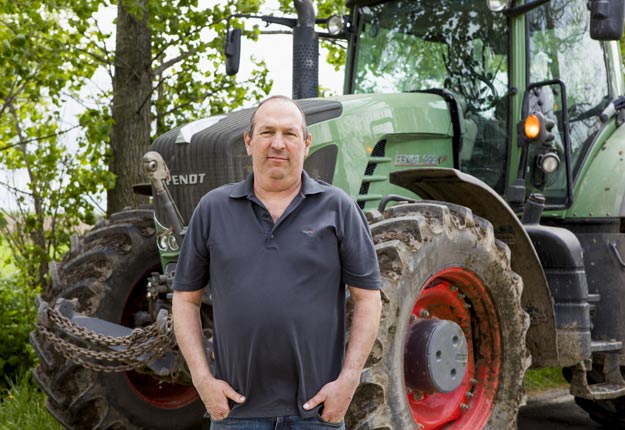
{"x": 483, "y": 139}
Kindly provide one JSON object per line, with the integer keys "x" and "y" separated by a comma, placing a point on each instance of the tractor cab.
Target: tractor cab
{"x": 498, "y": 64}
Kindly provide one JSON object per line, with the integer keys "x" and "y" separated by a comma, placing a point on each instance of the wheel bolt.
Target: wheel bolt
{"x": 469, "y": 394}
{"x": 417, "y": 395}
{"x": 473, "y": 381}
{"x": 424, "y": 313}
{"x": 453, "y": 289}
{"x": 464, "y": 406}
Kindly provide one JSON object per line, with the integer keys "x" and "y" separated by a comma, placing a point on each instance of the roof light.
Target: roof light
{"x": 335, "y": 24}
{"x": 498, "y": 5}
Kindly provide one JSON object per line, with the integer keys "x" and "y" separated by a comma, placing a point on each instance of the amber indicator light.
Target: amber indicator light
{"x": 532, "y": 126}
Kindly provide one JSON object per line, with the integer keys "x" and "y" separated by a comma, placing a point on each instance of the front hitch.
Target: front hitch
{"x": 158, "y": 174}
{"x": 108, "y": 347}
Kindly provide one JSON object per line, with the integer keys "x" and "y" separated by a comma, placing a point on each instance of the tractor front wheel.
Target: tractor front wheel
{"x": 106, "y": 272}
{"x": 451, "y": 347}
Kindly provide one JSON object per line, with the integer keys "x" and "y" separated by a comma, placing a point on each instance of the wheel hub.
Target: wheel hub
{"x": 435, "y": 356}
{"x": 457, "y": 296}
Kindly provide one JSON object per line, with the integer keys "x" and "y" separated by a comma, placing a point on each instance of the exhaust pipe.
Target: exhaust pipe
{"x": 305, "y": 52}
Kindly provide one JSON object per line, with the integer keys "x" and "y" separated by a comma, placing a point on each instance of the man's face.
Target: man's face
{"x": 277, "y": 146}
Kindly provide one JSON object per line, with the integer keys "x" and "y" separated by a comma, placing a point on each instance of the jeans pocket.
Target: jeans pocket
{"x": 337, "y": 425}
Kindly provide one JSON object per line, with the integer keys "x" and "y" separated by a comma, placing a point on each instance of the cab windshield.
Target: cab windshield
{"x": 460, "y": 46}
{"x": 560, "y": 47}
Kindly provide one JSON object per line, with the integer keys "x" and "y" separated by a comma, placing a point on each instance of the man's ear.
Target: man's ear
{"x": 248, "y": 146}
{"x": 307, "y": 143}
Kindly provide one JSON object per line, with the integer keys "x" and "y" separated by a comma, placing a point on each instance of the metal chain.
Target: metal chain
{"x": 141, "y": 346}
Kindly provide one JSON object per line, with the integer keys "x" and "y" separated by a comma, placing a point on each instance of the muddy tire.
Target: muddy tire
{"x": 440, "y": 261}
{"x": 106, "y": 271}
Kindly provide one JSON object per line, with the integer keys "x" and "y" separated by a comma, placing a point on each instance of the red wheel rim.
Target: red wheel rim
{"x": 160, "y": 394}
{"x": 457, "y": 294}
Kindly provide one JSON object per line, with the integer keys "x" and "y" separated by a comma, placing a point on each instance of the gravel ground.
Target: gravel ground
{"x": 554, "y": 410}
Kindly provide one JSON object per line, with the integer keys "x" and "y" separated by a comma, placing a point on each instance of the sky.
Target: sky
{"x": 280, "y": 66}
{"x": 277, "y": 51}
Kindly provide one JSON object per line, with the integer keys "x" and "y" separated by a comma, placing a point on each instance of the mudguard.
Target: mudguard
{"x": 453, "y": 186}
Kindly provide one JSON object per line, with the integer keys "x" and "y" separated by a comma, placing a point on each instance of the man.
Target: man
{"x": 278, "y": 250}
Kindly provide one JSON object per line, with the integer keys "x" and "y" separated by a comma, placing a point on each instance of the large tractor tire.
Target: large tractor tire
{"x": 106, "y": 271}
{"x": 439, "y": 262}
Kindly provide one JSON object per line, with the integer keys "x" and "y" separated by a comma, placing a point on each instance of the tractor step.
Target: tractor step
{"x": 613, "y": 384}
{"x": 593, "y": 298}
{"x": 605, "y": 346}
{"x": 604, "y": 391}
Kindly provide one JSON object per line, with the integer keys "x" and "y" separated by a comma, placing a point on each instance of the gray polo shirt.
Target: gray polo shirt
{"x": 278, "y": 289}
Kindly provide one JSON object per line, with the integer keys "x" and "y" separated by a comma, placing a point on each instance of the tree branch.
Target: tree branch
{"x": 185, "y": 36}
{"x": 169, "y": 63}
{"x": 37, "y": 139}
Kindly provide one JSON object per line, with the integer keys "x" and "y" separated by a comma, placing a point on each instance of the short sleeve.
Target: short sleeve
{"x": 193, "y": 267}
{"x": 359, "y": 261}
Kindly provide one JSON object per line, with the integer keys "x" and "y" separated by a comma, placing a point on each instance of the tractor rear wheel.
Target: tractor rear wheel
{"x": 106, "y": 271}
{"x": 441, "y": 264}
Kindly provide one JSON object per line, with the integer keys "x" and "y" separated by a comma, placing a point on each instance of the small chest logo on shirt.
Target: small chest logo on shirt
{"x": 308, "y": 231}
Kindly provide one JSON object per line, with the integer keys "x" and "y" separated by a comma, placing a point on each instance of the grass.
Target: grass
{"x": 6, "y": 260}
{"x": 22, "y": 403}
{"x": 22, "y": 407}
{"x": 544, "y": 379}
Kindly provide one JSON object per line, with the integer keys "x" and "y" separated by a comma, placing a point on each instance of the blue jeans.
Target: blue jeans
{"x": 275, "y": 423}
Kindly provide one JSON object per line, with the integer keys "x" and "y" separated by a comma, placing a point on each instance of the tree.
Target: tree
{"x": 165, "y": 67}
{"x": 168, "y": 68}
{"x": 47, "y": 184}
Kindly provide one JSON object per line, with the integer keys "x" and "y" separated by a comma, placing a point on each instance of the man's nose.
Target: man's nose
{"x": 278, "y": 141}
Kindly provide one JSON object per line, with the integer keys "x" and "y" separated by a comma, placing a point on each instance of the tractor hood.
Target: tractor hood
{"x": 357, "y": 141}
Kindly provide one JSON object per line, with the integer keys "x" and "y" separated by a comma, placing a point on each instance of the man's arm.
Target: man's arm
{"x": 337, "y": 395}
{"x": 188, "y": 328}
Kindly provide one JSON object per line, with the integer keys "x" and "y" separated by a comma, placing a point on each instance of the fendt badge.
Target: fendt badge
{"x": 189, "y": 179}
{"x": 419, "y": 159}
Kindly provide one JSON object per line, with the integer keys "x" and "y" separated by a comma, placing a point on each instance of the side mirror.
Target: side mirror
{"x": 232, "y": 50}
{"x": 607, "y": 19}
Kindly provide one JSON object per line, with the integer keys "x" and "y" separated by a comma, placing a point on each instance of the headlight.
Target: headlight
{"x": 173, "y": 243}
{"x": 167, "y": 242}
{"x": 335, "y": 24}
{"x": 162, "y": 242}
{"x": 549, "y": 162}
{"x": 498, "y": 5}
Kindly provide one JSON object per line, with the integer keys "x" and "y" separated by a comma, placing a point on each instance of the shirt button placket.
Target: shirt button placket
{"x": 268, "y": 223}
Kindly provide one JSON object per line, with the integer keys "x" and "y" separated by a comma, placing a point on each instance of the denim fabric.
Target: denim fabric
{"x": 275, "y": 423}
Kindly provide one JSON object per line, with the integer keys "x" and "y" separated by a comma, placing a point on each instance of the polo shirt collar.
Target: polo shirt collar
{"x": 246, "y": 188}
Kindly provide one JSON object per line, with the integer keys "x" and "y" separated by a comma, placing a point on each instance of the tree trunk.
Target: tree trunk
{"x": 132, "y": 86}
